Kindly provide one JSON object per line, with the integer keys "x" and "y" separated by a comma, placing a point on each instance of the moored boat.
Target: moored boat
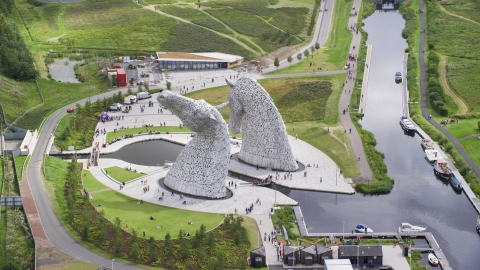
{"x": 407, "y": 227}
{"x": 432, "y": 259}
{"x": 398, "y": 77}
{"x": 426, "y": 144}
{"x": 432, "y": 155}
{"x": 455, "y": 183}
{"x": 478, "y": 225}
{"x": 441, "y": 169}
{"x": 362, "y": 228}
{"x": 406, "y": 124}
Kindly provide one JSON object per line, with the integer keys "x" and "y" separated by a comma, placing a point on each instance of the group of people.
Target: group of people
{"x": 231, "y": 184}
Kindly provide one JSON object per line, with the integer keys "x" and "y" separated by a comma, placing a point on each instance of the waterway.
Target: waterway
{"x": 417, "y": 197}
{"x": 62, "y": 70}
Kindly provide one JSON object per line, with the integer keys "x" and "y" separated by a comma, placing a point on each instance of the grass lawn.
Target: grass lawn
{"x": 472, "y": 146}
{"x": 464, "y": 127}
{"x": 91, "y": 183}
{"x": 334, "y": 52}
{"x": 71, "y": 265}
{"x": 137, "y": 216}
{"x": 469, "y": 9}
{"x": 19, "y": 161}
{"x": 62, "y": 125}
{"x": 17, "y": 97}
{"x": 463, "y": 81}
{"x": 122, "y": 175}
{"x": 122, "y": 132}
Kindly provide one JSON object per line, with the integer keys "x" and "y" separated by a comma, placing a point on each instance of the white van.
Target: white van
{"x": 133, "y": 98}
{"x": 143, "y": 95}
{"x": 127, "y": 101}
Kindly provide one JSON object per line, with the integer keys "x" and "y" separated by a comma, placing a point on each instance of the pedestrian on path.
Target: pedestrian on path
{"x": 358, "y": 157}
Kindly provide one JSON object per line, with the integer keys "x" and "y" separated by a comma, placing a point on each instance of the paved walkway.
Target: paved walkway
{"x": 366, "y": 73}
{"x": 424, "y": 100}
{"x": 356, "y": 142}
{"x": 394, "y": 257}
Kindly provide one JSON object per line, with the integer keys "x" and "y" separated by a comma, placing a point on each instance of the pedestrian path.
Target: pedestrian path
{"x": 344, "y": 103}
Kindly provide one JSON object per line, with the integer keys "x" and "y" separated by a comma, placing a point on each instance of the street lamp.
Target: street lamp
{"x": 112, "y": 263}
{"x": 343, "y": 230}
{"x": 358, "y": 254}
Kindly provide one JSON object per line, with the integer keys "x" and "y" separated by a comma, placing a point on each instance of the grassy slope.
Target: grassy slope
{"x": 91, "y": 183}
{"x": 122, "y": 175}
{"x": 310, "y": 130}
{"x": 17, "y": 97}
{"x": 122, "y": 132}
{"x": 334, "y": 52}
{"x": 137, "y": 216}
{"x": 19, "y": 161}
{"x": 465, "y": 8}
{"x": 465, "y": 82}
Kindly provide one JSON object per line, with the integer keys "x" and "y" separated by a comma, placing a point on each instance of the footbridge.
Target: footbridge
{"x": 388, "y": 4}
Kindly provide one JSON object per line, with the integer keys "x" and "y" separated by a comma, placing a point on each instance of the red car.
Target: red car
{"x": 70, "y": 110}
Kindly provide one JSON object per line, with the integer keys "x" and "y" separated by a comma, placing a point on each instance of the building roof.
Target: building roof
{"x": 289, "y": 250}
{"x": 338, "y": 264}
{"x": 198, "y": 57}
{"x": 348, "y": 251}
{"x": 259, "y": 251}
{"x": 319, "y": 249}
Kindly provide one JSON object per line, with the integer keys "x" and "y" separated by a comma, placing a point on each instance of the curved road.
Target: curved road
{"x": 424, "y": 100}
{"x": 53, "y": 228}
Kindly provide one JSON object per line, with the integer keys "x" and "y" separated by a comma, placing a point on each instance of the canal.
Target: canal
{"x": 418, "y": 197}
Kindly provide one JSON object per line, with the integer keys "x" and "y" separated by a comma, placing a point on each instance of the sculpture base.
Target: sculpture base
{"x": 161, "y": 183}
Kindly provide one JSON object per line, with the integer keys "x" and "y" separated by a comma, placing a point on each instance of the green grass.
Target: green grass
{"x": 463, "y": 81}
{"x": 137, "y": 216}
{"x": 19, "y": 161}
{"x": 464, "y": 127}
{"x": 17, "y": 97}
{"x": 334, "y": 52}
{"x": 472, "y": 146}
{"x": 62, "y": 125}
{"x": 91, "y": 183}
{"x": 296, "y": 102}
{"x": 121, "y": 132}
{"x": 466, "y": 8}
{"x": 122, "y": 175}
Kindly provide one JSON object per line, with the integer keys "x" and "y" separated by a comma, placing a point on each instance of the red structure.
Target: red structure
{"x": 121, "y": 77}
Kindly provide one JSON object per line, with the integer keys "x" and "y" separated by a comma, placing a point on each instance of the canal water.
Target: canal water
{"x": 62, "y": 70}
{"x": 418, "y": 197}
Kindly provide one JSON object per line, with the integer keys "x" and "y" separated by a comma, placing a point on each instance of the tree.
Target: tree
{"x": 289, "y": 59}
{"x": 317, "y": 46}
{"x": 153, "y": 254}
{"x": 210, "y": 239}
{"x": 312, "y": 49}
{"x": 276, "y": 62}
{"x": 135, "y": 252}
{"x": 184, "y": 249}
{"x": 299, "y": 57}
{"x": 167, "y": 243}
{"x": 140, "y": 88}
{"x": 134, "y": 237}
{"x": 169, "y": 85}
{"x": 306, "y": 53}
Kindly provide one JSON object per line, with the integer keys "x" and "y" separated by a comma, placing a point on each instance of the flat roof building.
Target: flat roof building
{"x": 194, "y": 61}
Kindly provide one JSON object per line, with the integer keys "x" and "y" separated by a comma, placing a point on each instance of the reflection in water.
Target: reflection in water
{"x": 62, "y": 70}
{"x": 417, "y": 197}
{"x": 148, "y": 153}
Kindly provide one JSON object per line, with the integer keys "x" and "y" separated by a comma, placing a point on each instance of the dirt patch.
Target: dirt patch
{"x": 52, "y": 258}
{"x": 458, "y": 100}
{"x": 55, "y": 39}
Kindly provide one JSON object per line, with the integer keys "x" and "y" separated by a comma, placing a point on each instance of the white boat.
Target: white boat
{"x": 407, "y": 125}
{"x": 407, "y": 227}
{"x": 441, "y": 169}
{"x": 362, "y": 228}
{"x": 432, "y": 259}
{"x": 432, "y": 155}
{"x": 426, "y": 144}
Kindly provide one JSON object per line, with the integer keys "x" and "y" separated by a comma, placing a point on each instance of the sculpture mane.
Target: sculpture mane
{"x": 264, "y": 136}
{"x": 202, "y": 166}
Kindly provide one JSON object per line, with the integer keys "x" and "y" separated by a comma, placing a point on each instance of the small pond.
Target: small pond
{"x": 62, "y": 70}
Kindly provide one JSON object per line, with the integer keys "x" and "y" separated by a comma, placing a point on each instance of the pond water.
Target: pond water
{"x": 148, "y": 153}
{"x": 62, "y": 70}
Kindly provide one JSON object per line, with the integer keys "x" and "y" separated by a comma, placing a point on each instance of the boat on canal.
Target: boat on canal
{"x": 398, "y": 77}
{"x": 478, "y": 225}
{"x": 455, "y": 183}
{"x": 426, "y": 144}
{"x": 407, "y": 125}
{"x": 442, "y": 170}
{"x": 407, "y": 228}
{"x": 361, "y": 228}
{"x": 432, "y": 259}
{"x": 432, "y": 155}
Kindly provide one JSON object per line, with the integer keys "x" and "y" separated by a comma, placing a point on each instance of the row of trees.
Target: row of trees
{"x": 312, "y": 49}
{"x": 16, "y": 61}
{"x": 436, "y": 94}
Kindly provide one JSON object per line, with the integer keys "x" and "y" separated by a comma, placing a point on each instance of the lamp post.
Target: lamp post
{"x": 112, "y": 263}
{"x": 343, "y": 230}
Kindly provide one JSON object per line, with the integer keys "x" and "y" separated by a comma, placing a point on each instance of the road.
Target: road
{"x": 55, "y": 232}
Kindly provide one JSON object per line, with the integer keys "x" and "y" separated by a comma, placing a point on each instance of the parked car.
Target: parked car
{"x": 385, "y": 267}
